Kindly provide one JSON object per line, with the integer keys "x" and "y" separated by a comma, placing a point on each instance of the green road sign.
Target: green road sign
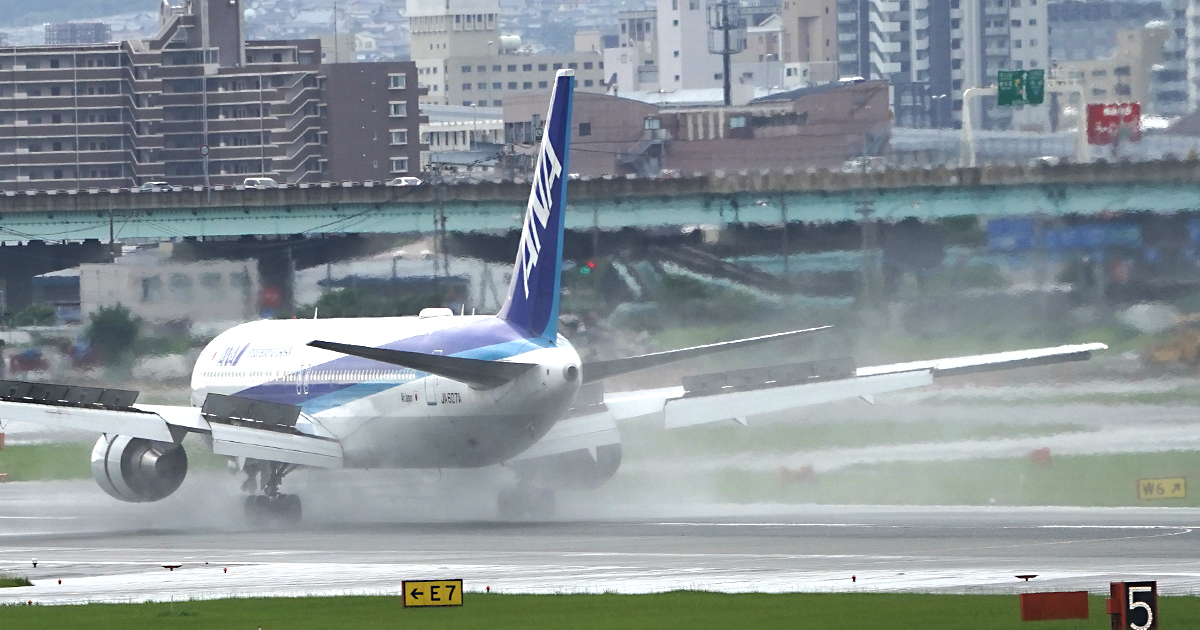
{"x": 1035, "y": 87}
{"x": 1020, "y": 87}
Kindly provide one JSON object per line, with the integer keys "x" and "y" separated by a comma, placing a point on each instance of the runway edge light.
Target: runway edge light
{"x": 1133, "y": 605}
{"x": 421, "y": 593}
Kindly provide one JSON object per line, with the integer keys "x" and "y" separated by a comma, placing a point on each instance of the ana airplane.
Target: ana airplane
{"x": 442, "y": 391}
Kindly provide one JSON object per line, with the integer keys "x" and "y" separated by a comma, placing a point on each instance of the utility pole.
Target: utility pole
{"x": 335, "y": 33}
{"x": 726, "y": 37}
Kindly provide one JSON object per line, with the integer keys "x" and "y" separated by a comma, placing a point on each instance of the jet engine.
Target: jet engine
{"x": 581, "y": 469}
{"x": 138, "y": 470}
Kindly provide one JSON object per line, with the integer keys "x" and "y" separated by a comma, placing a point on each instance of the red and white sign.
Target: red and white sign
{"x": 1107, "y": 123}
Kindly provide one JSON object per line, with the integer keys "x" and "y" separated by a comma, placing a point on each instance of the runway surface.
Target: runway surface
{"x": 105, "y": 551}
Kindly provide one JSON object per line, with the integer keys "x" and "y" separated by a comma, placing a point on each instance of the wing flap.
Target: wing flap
{"x": 692, "y": 410}
{"x": 276, "y": 446}
{"x": 599, "y": 370}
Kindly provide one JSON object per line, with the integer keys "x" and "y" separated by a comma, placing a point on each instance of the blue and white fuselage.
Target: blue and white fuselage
{"x": 389, "y": 416}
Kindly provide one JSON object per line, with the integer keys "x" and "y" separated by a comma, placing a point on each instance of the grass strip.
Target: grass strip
{"x": 9, "y": 581}
{"x": 685, "y": 610}
{"x": 72, "y": 460}
{"x": 1078, "y": 480}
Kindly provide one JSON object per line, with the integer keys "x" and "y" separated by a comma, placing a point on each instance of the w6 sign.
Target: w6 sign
{"x": 1108, "y": 123}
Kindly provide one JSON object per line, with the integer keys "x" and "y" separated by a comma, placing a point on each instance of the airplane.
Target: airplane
{"x": 440, "y": 390}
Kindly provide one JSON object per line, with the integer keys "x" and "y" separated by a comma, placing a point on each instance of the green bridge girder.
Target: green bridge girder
{"x": 609, "y": 204}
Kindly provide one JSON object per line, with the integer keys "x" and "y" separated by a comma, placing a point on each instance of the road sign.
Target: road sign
{"x": 204, "y": 150}
{"x": 432, "y": 593}
{"x": 1035, "y": 86}
{"x": 1020, "y": 87}
{"x": 1108, "y": 122}
{"x": 1165, "y": 488}
{"x": 1133, "y": 605}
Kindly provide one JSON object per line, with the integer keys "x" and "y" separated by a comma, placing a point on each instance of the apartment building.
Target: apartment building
{"x": 1124, "y": 76}
{"x": 462, "y": 59}
{"x": 121, "y": 114}
{"x": 1172, "y": 89}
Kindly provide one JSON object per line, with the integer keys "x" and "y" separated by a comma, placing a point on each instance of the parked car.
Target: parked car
{"x": 155, "y": 187}
{"x": 405, "y": 181}
{"x": 872, "y": 164}
{"x": 260, "y": 183}
{"x": 1046, "y": 160}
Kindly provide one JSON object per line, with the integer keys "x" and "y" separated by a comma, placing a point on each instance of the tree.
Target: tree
{"x": 35, "y": 315}
{"x": 112, "y": 331}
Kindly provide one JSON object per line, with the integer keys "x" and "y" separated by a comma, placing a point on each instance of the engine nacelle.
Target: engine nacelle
{"x": 138, "y": 470}
{"x": 573, "y": 469}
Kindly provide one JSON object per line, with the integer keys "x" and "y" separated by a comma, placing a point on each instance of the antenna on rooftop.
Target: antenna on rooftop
{"x": 726, "y": 37}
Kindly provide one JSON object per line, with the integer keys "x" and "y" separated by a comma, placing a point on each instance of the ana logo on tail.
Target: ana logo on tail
{"x": 549, "y": 170}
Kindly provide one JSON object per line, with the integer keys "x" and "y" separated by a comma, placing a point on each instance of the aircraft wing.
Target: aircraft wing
{"x": 740, "y": 394}
{"x": 236, "y": 427}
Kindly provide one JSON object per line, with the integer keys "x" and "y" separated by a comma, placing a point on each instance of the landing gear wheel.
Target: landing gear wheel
{"x": 517, "y": 503}
{"x": 262, "y": 510}
{"x": 288, "y": 508}
{"x": 258, "y": 510}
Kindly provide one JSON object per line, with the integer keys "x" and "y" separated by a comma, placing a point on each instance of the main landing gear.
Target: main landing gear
{"x": 526, "y": 501}
{"x": 271, "y": 507}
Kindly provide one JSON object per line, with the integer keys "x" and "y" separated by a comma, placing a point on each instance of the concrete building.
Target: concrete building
{"x": 987, "y": 36}
{"x": 159, "y": 291}
{"x": 1123, "y": 77}
{"x": 666, "y": 51}
{"x": 462, "y": 59}
{"x": 118, "y": 115}
{"x": 337, "y": 48}
{"x": 464, "y": 140}
{"x": 1082, "y": 30}
{"x": 72, "y": 33}
{"x": 810, "y": 32}
{"x": 818, "y": 126}
{"x": 371, "y": 122}
{"x": 1171, "y": 88}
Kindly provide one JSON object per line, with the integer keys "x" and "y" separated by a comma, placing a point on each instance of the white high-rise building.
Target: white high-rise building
{"x": 1173, "y": 82}
{"x": 987, "y": 36}
{"x": 684, "y": 62}
{"x": 464, "y": 60}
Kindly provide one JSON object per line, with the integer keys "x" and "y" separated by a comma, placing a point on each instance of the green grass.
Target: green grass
{"x": 72, "y": 460}
{"x": 685, "y": 610}
{"x": 9, "y": 581}
{"x": 1092, "y": 480}
{"x": 647, "y": 440}
{"x": 39, "y": 462}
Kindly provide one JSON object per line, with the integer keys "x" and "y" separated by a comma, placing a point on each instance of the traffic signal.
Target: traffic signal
{"x": 586, "y": 269}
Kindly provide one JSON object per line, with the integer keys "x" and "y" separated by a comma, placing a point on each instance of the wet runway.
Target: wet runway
{"x": 105, "y": 551}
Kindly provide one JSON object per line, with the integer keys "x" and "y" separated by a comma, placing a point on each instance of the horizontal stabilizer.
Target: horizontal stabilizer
{"x": 475, "y": 372}
{"x": 599, "y": 370}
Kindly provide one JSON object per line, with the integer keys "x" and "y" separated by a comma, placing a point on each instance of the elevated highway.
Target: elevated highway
{"x": 607, "y": 204}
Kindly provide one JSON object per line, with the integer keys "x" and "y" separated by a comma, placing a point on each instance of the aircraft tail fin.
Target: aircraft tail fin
{"x": 532, "y": 301}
